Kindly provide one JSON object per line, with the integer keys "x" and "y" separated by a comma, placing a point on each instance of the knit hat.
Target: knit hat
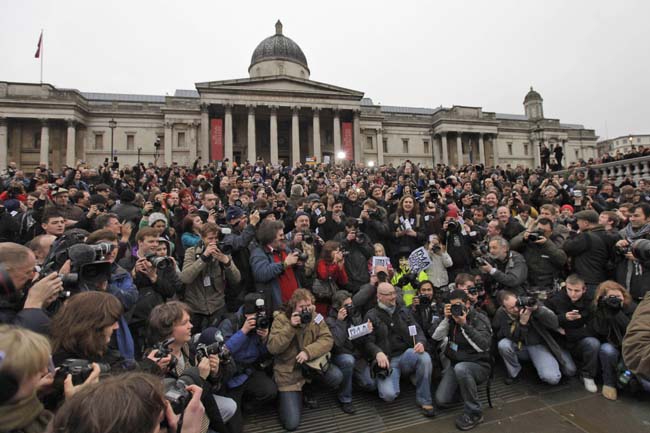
{"x": 127, "y": 196}
{"x": 591, "y": 216}
{"x": 234, "y": 212}
{"x": 567, "y": 207}
{"x": 11, "y": 205}
{"x": 156, "y": 216}
{"x": 451, "y": 213}
{"x": 301, "y": 213}
{"x": 313, "y": 197}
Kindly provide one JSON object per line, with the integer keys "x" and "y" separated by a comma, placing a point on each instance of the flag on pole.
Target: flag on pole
{"x": 39, "y": 46}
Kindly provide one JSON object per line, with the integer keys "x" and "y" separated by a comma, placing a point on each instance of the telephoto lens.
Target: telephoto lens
{"x": 305, "y": 316}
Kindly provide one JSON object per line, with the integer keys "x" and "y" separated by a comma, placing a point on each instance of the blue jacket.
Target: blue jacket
{"x": 266, "y": 272}
{"x": 245, "y": 349}
{"x": 190, "y": 239}
{"x": 121, "y": 286}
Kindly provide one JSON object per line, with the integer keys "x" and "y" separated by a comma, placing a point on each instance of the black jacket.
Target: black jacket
{"x": 356, "y": 262}
{"x": 469, "y": 342}
{"x": 575, "y": 330}
{"x": 339, "y": 330}
{"x": 609, "y": 325}
{"x": 591, "y": 252}
{"x": 391, "y": 333}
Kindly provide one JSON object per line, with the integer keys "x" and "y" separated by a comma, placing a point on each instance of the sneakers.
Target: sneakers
{"x": 609, "y": 392}
{"x": 428, "y": 411}
{"x": 466, "y": 422}
{"x": 590, "y": 385}
{"x": 348, "y": 408}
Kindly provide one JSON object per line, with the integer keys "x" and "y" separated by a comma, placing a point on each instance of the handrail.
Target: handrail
{"x": 635, "y": 168}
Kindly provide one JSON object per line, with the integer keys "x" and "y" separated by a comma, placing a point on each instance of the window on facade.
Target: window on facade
{"x": 509, "y": 148}
{"x": 36, "y": 142}
{"x": 638, "y": 139}
{"x": 577, "y": 154}
{"x": 161, "y": 140}
{"x": 368, "y": 143}
{"x": 99, "y": 141}
{"x": 405, "y": 145}
{"x": 526, "y": 149}
{"x": 181, "y": 139}
{"x": 385, "y": 145}
{"x": 426, "y": 146}
{"x": 130, "y": 142}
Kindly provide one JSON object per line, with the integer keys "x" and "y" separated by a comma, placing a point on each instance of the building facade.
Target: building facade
{"x": 278, "y": 114}
{"x": 623, "y": 144}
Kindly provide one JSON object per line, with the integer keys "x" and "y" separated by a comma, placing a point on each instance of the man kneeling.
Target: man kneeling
{"x": 467, "y": 333}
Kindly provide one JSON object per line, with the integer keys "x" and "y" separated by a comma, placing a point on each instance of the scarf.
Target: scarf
{"x": 386, "y": 308}
{"x": 27, "y": 415}
{"x": 632, "y": 235}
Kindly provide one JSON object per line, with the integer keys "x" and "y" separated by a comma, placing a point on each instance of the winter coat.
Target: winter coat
{"x": 286, "y": 341}
{"x": 473, "y": 339}
{"x": 205, "y": 281}
{"x": 510, "y": 276}
{"x": 609, "y": 326}
{"x": 590, "y": 252}
{"x": 545, "y": 262}
{"x": 266, "y": 272}
{"x": 636, "y": 343}
{"x": 390, "y": 333}
{"x": 127, "y": 212}
{"x": 356, "y": 262}
{"x": 575, "y": 330}
{"x": 634, "y": 275}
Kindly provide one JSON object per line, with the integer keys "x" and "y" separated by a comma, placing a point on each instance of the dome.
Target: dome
{"x": 278, "y": 47}
{"x": 532, "y": 95}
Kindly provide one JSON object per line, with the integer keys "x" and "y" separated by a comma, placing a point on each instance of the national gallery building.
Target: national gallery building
{"x": 278, "y": 114}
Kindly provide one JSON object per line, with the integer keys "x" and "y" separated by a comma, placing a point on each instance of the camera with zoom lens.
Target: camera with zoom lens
{"x": 378, "y": 372}
{"x": 424, "y": 300}
{"x": 302, "y": 256}
{"x": 261, "y": 319}
{"x": 613, "y": 302}
{"x": 436, "y": 248}
{"x": 482, "y": 261}
{"x": 350, "y": 309}
{"x": 453, "y": 226}
{"x": 535, "y": 236}
{"x": 158, "y": 262}
{"x": 176, "y": 393}
{"x": 308, "y": 238}
{"x": 217, "y": 348}
{"x": 80, "y": 369}
{"x": 526, "y": 301}
{"x": 305, "y": 316}
{"x": 458, "y": 310}
{"x": 224, "y": 248}
{"x": 164, "y": 349}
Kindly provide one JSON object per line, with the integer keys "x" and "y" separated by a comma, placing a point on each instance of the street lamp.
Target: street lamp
{"x": 112, "y": 124}
{"x": 341, "y": 155}
{"x": 371, "y": 164}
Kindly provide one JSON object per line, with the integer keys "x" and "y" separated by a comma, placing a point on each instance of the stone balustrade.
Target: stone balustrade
{"x": 617, "y": 171}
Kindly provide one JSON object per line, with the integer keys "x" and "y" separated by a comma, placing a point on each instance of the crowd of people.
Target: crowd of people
{"x": 145, "y": 299}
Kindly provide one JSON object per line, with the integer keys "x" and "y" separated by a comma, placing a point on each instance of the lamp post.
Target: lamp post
{"x": 112, "y": 124}
{"x": 139, "y": 150}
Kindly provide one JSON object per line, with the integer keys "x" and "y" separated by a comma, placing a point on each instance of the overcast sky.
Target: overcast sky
{"x": 588, "y": 59}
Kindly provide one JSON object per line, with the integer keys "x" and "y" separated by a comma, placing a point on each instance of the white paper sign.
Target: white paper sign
{"x": 379, "y": 261}
{"x": 419, "y": 260}
{"x": 358, "y": 331}
{"x": 413, "y": 331}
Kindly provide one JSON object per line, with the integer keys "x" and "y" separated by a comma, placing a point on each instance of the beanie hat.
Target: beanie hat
{"x": 156, "y": 216}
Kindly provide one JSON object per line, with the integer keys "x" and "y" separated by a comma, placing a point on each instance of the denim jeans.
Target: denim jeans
{"x": 609, "y": 357}
{"x": 407, "y": 363}
{"x": 587, "y": 350}
{"x": 352, "y": 369}
{"x": 464, "y": 376}
{"x": 548, "y": 369}
{"x": 290, "y": 402}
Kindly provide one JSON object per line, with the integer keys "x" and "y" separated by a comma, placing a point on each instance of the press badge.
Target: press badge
{"x": 206, "y": 281}
{"x": 453, "y": 346}
{"x": 318, "y": 319}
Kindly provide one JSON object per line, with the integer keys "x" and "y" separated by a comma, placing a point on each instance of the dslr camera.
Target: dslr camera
{"x": 424, "y": 300}
{"x": 261, "y": 318}
{"x": 176, "y": 393}
{"x": 305, "y": 316}
{"x": 80, "y": 369}
{"x": 453, "y": 226}
{"x": 612, "y": 302}
{"x": 164, "y": 350}
{"x": 457, "y": 310}
{"x": 526, "y": 301}
{"x": 535, "y": 236}
{"x": 158, "y": 262}
{"x": 217, "y": 348}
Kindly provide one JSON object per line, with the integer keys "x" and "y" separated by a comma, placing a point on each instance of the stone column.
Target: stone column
{"x": 274, "y": 134}
{"x": 445, "y": 148}
{"x": 358, "y": 155}
{"x": 317, "y": 152}
{"x": 337, "y": 133}
{"x": 295, "y": 135}
{"x": 380, "y": 147}
{"x": 70, "y": 157}
{"x": 4, "y": 142}
{"x": 459, "y": 149}
{"x": 252, "y": 151}
{"x": 481, "y": 148}
{"x": 193, "y": 144}
{"x": 436, "y": 149}
{"x": 45, "y": 142}
{"x": 495, "y": 149}
{"x": 205, "y": 133}
{"x": 227, "y": 135}
{"x": 168, "y": 143}
{"x": 536, "y": 152}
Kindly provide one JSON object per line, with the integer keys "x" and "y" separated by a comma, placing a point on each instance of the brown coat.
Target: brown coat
{"x": 316, "y": 341}
{"x": 636, "y": 344}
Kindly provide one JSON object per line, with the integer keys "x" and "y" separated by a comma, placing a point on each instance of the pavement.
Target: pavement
{"x": 527, "y": 406}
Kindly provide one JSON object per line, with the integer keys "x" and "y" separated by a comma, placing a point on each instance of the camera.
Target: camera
{"x": 308, "y": 237}
{"x": 238, "y": 203}
{"x": 407, "y": 279}
{"x": 482, "y": 261}
{"x": 526, "y": 301}
{"x": 261, "y": 319}
{"x": 80, "y": 369}
{"x": 164, "y": 350}
{"x": 176, "y": 393}
{"x": 280, "y": 204}
{"x": 535, "y": 236}
{"x": 424, "y": 300}
{"x": 453, "y": 226}
{"x": 160, "y": 263}
{"x": 217, "y": 348}
{"x": 457, "y": 310}
{"x": 612, "y": 302}
{"x": 361, "y": 237}
{"x": 436, "y": 248}
{"x": 305, "y": 315}
{"x": 473, "y": 291}
{"x": 302, "y": 256}
{"x": 224, "y": 248}
{"x": 380, "y": 373}
{"x": 350, "y": 310}
{"x": 157, "y": 206}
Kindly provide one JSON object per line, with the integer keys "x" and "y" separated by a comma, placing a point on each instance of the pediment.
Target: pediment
{"x": 278, "y": 85}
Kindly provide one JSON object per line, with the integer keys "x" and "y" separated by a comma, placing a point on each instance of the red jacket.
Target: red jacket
{"x": 332, "y": 270}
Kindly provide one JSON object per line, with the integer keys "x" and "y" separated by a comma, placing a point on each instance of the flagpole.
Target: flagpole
{"x": 42, "y": 52}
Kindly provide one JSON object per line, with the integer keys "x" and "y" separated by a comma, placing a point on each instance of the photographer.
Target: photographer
{"x": 632, "y": 273}
{"x": 302, "y": 239}
{"x": 246, "y": 334}
{"x": 504, "y": 269}
{"x": 395, "y": 351}
{"x": 468, "y": 337}
{"x": 427, "y": 310}
{"x": 458, "y": 241}
{"x": 543, "y": 256}
{"x": 406, "y": 226}
{"x": 297, "y": 337}
{"x": 613, "y": 309}
{"x": 153, "y": 282}
{"x": 128, "y": 403}
{"x": 206, "y": 272}
{"x": 522, "y": 328}
{"x": 573, "y": 311}
{"x": 358, "y": 250}
{"x": 346, "y": 353}
{"x": 334, "y": 221}
{"x": 171, "y": 322}
{"x": 373, "y": 221}
{"x": 440, "y": 261}
{"x": 17, "y": 264}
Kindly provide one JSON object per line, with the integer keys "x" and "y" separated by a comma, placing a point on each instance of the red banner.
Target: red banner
{"x": 216, "y": 139}
{"x": 348, "y": 146}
